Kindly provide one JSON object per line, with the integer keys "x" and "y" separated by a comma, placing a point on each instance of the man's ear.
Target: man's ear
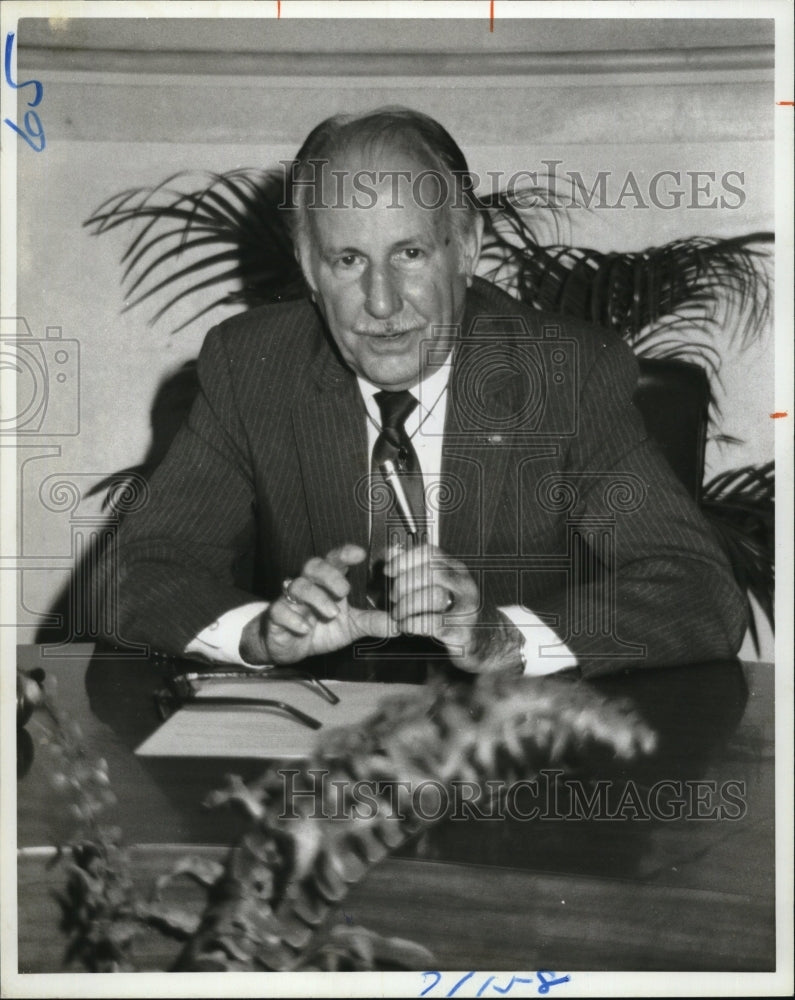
{"x": 471, "y": 241}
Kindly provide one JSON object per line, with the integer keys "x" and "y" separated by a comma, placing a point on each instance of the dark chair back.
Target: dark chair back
{"x": 673, "y": 397}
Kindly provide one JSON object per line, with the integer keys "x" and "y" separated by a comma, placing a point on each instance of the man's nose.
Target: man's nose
{"x": 382, "y": 294}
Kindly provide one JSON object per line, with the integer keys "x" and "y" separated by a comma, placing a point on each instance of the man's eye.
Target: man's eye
{"x": 348, "y": 260}
{"x": 412, "y": 253}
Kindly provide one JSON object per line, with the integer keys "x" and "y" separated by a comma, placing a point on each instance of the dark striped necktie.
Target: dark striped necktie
{"x": 393, "y": 444}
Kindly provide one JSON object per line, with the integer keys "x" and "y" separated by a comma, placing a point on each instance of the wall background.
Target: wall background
{"x": 129, "y": 102}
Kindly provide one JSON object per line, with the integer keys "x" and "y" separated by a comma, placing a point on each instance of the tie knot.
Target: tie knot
{"x": 395, "y": 408}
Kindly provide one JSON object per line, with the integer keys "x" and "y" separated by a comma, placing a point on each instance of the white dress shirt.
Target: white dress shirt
{"x": 220, "y": 641}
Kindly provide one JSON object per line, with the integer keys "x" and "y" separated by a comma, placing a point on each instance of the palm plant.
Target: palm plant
{"x": 686, "y": 299}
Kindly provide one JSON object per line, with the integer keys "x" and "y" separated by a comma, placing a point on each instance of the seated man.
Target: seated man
{"x": 414, "y": 453}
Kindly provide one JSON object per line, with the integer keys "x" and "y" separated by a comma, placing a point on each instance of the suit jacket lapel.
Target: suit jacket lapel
{"x": 329, "y": 423}
{"x": 475, "y": 458}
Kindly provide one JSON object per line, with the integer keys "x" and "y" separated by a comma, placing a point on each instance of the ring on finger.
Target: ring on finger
{"x": 286, "y": 591}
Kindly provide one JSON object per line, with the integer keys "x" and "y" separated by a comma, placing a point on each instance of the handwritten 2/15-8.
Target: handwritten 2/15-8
{"x": 490, "y": 985}
{"x": 33, "y": 130}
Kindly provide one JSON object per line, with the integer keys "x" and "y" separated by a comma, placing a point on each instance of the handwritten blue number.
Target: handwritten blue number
{"x": 31, "y": 133}
{"x": 514, "y": 979}
{"x": 543, "y": 987}
{"x": 545, "y": 984}
{"x": 434, "y": 983}
{"x": 460, "y": 983}
{"x": 28, "y": 83}
{"x": 33, "y": 130}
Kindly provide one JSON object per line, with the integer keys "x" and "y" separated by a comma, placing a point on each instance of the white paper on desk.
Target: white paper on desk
{"x": 198, "y": 730}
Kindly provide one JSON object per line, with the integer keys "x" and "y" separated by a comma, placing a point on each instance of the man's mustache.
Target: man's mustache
{"x": 388, "y": 329}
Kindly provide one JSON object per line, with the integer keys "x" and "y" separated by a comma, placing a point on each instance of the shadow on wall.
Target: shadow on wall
{"x": 86, "y": 607}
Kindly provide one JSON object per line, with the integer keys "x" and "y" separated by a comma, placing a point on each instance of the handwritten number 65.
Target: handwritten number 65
{"x": 33, "y": 132}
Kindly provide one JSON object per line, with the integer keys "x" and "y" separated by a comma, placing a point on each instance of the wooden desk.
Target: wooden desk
{"x": 607, "y": 894}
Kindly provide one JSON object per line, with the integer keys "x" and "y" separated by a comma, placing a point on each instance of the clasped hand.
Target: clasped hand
{"x": 430, "y": 594}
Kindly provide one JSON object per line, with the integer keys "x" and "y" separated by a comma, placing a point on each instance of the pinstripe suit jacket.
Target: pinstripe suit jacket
{"x": 558, "y": 501}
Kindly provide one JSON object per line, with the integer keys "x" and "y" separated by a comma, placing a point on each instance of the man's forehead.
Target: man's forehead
{"x": 380, "y": 223}
{"x": 368, "y": 206}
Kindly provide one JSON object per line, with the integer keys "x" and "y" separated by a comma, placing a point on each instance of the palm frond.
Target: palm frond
{"x": 211, "y": 240}
{"x": 706, "y": 283}
{"x": 238, "y": 210}
{"x": 221, "y": 278}
{"x": 740, "y": 506}
{"x": 197, "y": 265}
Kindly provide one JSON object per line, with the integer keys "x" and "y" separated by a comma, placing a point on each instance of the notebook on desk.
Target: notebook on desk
{"x": 234, "y": 730}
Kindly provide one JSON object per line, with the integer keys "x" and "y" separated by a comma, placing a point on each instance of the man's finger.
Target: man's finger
{"x": 425, "y": 600}
{"x": 314, "y": 597}
{"x": 425, "y": 624}
{"x": 371, "y": 622}
{"x": 418, "y": 577}
{"x": 283, "y": 615}
{"x": 326, "y": 575}
{"x": 399, "y": 559}
{"x": 428, "y": 558}
{"x": 346, "y": 556}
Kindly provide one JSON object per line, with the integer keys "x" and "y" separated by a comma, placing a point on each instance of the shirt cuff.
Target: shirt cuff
{"x": 543, "y": 651}
{"x": 220, "y": 642}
